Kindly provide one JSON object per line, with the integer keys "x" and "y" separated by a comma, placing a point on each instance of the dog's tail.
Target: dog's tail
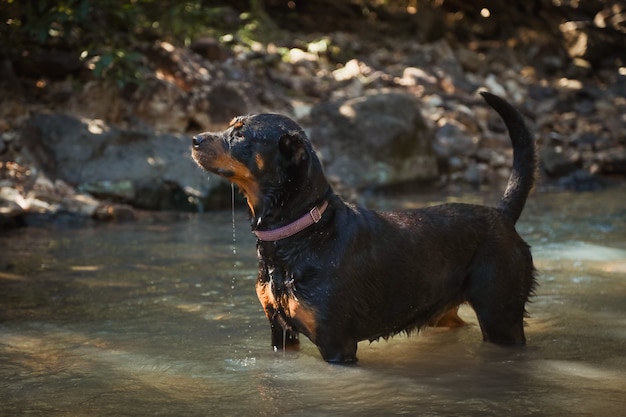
{"x": 524, "y": 158}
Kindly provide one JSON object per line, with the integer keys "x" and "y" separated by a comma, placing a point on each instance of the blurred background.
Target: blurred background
{"x": 100, "y": 98}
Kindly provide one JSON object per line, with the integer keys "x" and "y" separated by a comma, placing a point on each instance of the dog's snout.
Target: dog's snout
{"x": 197, "y": 140}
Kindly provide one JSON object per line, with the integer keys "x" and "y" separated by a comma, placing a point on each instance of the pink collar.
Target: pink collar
{"x": 291, "y": 229}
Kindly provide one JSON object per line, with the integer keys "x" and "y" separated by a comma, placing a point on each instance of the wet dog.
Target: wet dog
{"x": 340, "y": 274}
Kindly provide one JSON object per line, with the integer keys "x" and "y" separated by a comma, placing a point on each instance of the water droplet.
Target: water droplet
{"x": 232, "y": 203}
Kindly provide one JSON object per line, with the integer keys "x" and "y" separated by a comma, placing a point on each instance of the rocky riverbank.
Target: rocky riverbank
{"x": 381, "y": 113}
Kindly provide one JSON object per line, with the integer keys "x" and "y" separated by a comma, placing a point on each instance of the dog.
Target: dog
{"x": 340, "y": 274}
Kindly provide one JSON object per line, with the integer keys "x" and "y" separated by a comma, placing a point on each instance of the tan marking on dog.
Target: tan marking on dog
{"x": 304, "y": 315}
{"x": 260, "y": 163}
{"x": 449, "y": 319}
{"x": 242, "y": 178}
{"x": 266, "y": 297}
{"x": 293, "y": 308}
{"x": 235, "y": 123}
{"x": 213, "y": 157}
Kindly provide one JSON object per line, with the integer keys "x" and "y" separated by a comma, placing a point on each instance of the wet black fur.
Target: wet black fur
{"x": 368, "y": 274}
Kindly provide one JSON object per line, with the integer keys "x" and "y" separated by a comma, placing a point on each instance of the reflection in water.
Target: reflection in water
{"x": 162, "y": 319}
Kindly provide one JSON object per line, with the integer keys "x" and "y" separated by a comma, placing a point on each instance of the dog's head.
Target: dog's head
{"x": 269, "y": 158}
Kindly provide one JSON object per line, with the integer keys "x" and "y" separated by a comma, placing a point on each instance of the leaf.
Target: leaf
{"x": 103, "y": 64}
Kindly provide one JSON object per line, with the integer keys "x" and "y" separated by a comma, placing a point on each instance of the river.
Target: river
{"x": 161, "y": 318}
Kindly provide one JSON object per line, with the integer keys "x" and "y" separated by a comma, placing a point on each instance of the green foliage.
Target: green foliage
{"x": 120, "y": 66}
{"x": 106, "y": 34}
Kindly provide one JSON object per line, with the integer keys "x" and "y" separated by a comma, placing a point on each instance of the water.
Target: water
{"x": 161, "y": 318}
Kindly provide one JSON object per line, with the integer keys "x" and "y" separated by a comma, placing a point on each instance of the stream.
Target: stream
{"x": 160, "y": 318}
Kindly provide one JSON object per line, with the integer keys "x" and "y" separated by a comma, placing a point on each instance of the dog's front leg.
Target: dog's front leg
{"x": 283, "y": 337}
{"x": 338, "y": 350}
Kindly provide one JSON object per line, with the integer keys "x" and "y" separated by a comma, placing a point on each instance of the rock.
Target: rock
{"x": 540, "y": 92}
{"x": 470, "y": 60}
{"x": 477, "y": 174}
{"x": 115, "y": 164}
{"x": 599, "y": 42}
{"x": 440, "y": 59}
{"x": 612, "y": 162}
{"x": 581, "y": 180}
{"x": 451, "y": 140}
{"x": 494, "y": 86}
{"x": 122, "y": 190}
{"x": 185, "y": 92}
{"x": 11, "y": 214}
{"x": 81, "y": 204}
{"x": 166, "y": 195}
{"x": 571, "y": 87}
{"x": 350, "y": 70}
{"x": 11, "y": 201}
{"x": 374, "y": 140}
{"x": 210, "y": 48}
{"x": 412, "y": 76}
{"x": 100, "y": 100}
{"x": 113, "y": 212}
{"x": 556, "y": 164}
{"x": 225, "y": 102}
{"x": 297, "y": 55}
{"x": 164, "y": 106}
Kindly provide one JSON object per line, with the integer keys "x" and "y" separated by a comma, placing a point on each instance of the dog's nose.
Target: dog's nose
{"x": 197, "y": 140}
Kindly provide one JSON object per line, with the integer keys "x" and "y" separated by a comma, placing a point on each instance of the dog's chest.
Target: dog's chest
{"x": 277, "y": 293}
{"x": 280, "y": 281}
{"x": 279, "y": 266}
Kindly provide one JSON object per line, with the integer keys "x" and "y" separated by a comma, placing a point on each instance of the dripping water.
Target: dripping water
{"x": 234, "y": 251}
{"x": 234, "y": 244}
{"x": 232, "y": 204}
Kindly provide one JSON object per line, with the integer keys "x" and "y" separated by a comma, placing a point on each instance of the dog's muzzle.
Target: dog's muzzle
{"x": 197, "y": 141}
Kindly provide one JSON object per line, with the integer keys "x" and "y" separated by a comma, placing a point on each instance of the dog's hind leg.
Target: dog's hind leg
{"x": 500, "y": 281}
{"x": 498, "y": 296}
{"x": 500, "y": 325}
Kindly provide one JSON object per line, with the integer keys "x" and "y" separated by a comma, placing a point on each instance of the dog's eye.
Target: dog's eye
{"x": 237, "y": 137}
{"x": 236, "y": 123}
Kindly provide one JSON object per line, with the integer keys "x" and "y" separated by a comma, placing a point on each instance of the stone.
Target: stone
{"x": 113, "y": 212}
{"x": 122, "y": 190}
{"x": 581, "y": 180}
{"x": 210, "y": 48}
{"x": 11, "y": 213}
{"x": 452, "y": 140}
{"x": 374, "y": 140}
{"x": 613, "y": 162}
{"x": 115, "y": 164}
{"x": 555, "y": 163}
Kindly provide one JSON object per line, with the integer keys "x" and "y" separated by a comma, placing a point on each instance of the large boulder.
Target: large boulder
{"x": 147, "y": 170}
{"x": 374, "y": 141}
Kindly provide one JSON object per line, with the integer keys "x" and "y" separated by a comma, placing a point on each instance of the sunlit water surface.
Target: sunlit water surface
{"x": 161, "y": 318}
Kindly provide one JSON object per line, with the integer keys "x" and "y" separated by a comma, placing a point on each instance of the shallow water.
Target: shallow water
{"x": 161, "y": 318}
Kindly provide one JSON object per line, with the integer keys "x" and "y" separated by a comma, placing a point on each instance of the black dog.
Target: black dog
{"x": 340, "y": 274}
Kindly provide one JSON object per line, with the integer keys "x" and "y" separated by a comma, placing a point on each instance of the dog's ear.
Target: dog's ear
{"x": 293, "y": 148}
